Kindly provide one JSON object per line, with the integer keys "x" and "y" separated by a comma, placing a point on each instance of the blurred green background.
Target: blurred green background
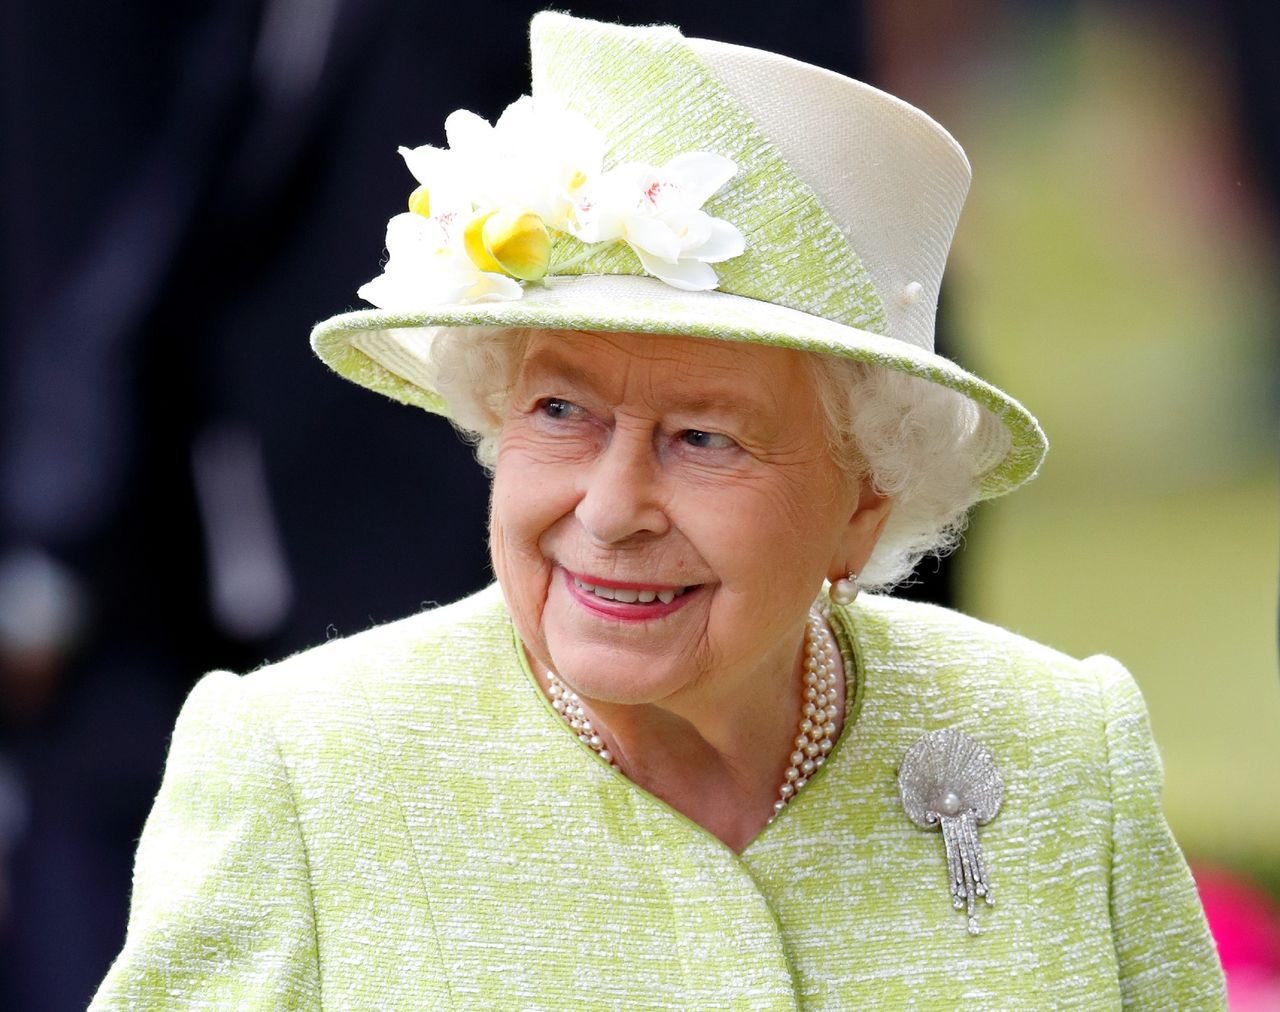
{"x": 1115, "y": 269}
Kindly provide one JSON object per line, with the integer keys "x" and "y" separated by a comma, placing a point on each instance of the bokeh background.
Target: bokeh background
{"x": 186, "y": 187}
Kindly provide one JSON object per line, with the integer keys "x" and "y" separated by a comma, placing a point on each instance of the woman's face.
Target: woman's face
{"x": 688, "y": 480}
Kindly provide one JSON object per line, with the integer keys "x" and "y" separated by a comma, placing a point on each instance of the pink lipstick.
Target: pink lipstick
{"x": 626, "y": 600}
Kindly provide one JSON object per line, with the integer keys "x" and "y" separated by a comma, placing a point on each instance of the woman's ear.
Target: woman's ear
{"x": 862, "y": 532}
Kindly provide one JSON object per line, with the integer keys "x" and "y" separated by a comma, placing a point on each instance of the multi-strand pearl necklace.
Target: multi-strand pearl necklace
{"x": 817, "y": 730}
{"x": 568, "y": 704}
{"x": 818, "y": 714}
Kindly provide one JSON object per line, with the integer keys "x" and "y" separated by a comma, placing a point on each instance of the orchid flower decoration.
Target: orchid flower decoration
{"x": 512, "y": 203}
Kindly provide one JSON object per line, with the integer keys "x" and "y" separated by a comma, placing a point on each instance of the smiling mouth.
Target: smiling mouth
{"x": 631, "y": 595}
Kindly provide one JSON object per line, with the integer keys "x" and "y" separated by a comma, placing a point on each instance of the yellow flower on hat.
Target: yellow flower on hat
{"x": 428, "y": 266}
{"x": 420, "y": 201}
{"x": 514, "y": 242}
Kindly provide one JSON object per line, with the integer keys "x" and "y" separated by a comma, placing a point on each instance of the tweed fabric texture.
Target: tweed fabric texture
{"x": 847, "y": 199}
{"x": 400, "y": 820}
{"x": 658, "y": 99}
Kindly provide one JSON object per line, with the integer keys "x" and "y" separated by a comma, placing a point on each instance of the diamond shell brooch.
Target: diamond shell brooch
{"x": 948, "y": 780}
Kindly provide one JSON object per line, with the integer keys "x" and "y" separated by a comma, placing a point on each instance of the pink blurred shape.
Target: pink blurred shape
{"x": 1245, "y": 922}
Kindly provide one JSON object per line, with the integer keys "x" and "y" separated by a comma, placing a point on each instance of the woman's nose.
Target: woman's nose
{"x": 622, "y": 495}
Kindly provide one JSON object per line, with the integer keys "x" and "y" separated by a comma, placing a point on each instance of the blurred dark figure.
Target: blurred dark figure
{"x": 186, "y": 188}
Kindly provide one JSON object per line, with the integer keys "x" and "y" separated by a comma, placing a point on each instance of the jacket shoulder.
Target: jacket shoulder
{"x": 949, "y": 640}
{"x": 393, "y": 653}
{"x": 991, "y": 675}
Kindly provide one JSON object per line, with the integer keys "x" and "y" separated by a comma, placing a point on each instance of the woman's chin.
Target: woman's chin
{"x": 617, "y": 662}
{"x": 612, "y": 677}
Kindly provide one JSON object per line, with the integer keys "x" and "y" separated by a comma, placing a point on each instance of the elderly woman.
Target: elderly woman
{"x": 683, "y": 301}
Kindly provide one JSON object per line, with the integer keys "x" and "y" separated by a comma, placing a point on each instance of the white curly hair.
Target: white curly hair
{"x": 921, "y": 444}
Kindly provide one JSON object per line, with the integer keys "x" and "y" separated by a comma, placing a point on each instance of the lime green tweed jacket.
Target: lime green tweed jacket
{"x": 400, "y": 821}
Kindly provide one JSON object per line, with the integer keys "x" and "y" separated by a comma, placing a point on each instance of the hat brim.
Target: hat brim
{"x": 389, "y": 351}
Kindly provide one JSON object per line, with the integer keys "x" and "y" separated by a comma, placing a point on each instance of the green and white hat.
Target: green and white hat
{"x": 666, "y": 185}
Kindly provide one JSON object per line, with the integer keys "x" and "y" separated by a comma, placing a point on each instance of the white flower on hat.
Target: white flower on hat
{"x": 444, "y": 191}
{"x": 489, "y": 207}
{"x": 658, "y": 213}
{"x": 427, "y": 265}
{"x": 533, "y": 158}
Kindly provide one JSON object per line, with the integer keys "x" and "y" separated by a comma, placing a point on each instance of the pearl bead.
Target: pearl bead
{"x": 844, "y": 591}
{"x": 950, "y": 803}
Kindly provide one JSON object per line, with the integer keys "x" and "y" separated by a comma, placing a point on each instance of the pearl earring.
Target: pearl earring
{"x": 845, "y": 590}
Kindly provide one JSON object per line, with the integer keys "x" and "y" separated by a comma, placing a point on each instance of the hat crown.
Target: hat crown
{"x": 848, "y": 197}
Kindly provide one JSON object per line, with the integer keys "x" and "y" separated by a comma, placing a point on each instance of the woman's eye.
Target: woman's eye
{"x": 707, "y": 440}
{"x": 554, "y": 407}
